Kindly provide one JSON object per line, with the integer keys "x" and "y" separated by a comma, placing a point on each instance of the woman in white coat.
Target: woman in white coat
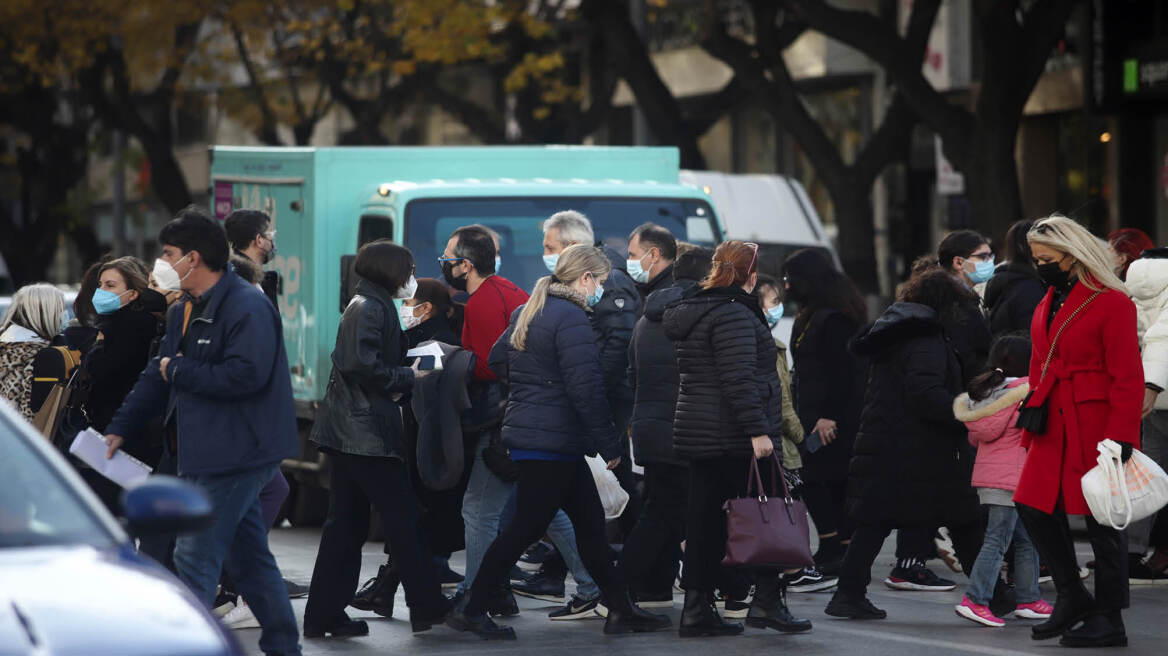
{"x": 1147, "y": 281}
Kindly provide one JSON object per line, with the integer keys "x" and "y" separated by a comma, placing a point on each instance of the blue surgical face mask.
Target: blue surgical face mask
{"x": 636, "y": 271}
{"x": 774, "y": 314}
{"x": 594, "y": 297}
{"x": 982, "y": 271}
{"x": 498, "y": 263}
{"x": 65, "y": 318}
{"x": 107, "y": 302}
{"x": 550, "y": 261}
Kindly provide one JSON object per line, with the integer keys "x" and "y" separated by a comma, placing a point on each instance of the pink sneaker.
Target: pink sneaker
{"x": 1035, "y": 610}
{"x": 978, "y": 613}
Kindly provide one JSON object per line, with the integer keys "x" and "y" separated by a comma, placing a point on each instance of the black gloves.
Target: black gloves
{"x": 1125, "y": 451}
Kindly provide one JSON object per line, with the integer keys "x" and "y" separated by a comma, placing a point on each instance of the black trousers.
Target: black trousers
{"x": 653, "y": 548}
{"x": 867, "y": 539}
{"x": 545, "y": 486}
{"x": 358, "y": 481}
{"x": 916, "y": 542}
{"x": 711, "y": 482}
{"x": 622, "y": 414}
{"x": 1051, "y": 534}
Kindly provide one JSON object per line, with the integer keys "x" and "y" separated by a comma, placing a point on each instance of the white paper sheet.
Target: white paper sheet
{"x": 427, "y": 348}
{"x": 123, "y": 469}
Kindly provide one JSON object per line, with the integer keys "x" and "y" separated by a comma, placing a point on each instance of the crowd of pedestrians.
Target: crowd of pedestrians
{"x": 962, "y": 418}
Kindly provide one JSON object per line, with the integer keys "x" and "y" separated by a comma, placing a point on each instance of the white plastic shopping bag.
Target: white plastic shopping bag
{"x": 1120, "y": 493}
{"x": 612, "y": 496}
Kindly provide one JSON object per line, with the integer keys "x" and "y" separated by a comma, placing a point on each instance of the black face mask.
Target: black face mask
{"x": 1052, "y": 275}
{"x": 458, "y": 283}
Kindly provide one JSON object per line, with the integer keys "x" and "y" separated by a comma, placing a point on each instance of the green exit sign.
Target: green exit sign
{"x": 1131, "y": 75}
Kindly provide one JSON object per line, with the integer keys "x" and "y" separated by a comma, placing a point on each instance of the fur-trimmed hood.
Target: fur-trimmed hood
{"x": 900, "y": 322}
{"x": 966, "y": 409}
{"x": 560, "y": 290}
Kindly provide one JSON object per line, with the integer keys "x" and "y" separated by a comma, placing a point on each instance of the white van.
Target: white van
{"x": 770, "y": 210}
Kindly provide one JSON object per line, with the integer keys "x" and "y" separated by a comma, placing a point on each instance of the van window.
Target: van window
{"x": 518, "y": 221}
{"x": 374, "y": 227}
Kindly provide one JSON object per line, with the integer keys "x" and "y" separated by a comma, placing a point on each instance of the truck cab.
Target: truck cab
{"x": 325, "y": 203}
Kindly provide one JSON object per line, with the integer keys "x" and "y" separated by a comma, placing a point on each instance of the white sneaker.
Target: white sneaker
{"x": 223, "y": 609}
{"x": 241, "y": 617}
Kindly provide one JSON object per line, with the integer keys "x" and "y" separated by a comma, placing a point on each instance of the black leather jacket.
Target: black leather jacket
{"x": 359, "y": 414}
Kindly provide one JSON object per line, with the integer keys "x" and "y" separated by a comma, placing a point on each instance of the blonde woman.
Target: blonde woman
{"x": 35, "y": 317}
{"x": 1091, "y": 390}
{"x": 557, "y": 413}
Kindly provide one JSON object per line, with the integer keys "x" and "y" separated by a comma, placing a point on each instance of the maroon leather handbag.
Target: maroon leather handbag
{"x": 766, "y": 530}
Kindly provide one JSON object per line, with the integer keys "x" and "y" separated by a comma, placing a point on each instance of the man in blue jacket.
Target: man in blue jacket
{"x": 221, "y": 382}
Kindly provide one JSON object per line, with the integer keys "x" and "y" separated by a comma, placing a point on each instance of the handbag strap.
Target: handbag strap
{"x": 754, "y": 485}
{"x": 1059, "y": 333}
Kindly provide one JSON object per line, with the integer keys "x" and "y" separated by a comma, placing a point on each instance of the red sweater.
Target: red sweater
{"x": 487, "y": 315}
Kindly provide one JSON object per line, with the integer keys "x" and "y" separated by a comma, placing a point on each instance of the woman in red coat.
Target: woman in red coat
{"x": 1092, "y": 390}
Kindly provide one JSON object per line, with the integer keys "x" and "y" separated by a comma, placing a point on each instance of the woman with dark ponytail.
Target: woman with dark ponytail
{"x": 990, "y": 412}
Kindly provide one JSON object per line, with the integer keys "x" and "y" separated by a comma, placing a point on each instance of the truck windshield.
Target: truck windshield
{"x": 428, "y": 224}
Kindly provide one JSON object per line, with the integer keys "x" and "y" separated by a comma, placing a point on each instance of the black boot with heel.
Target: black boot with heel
{"x": 700, "y": 618}
{"x": 769, "y": 609}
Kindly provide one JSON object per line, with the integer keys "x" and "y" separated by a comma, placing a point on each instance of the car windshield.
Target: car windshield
{"x": 518, "y": 222}
{"x": 37, "y": 506}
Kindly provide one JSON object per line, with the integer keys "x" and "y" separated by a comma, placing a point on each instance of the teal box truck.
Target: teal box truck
{"x": 326, "y": 202}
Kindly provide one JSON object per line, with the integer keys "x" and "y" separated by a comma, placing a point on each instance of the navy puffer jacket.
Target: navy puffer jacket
{"x": 730, "y": 388}
{"x": 556, "y": 395}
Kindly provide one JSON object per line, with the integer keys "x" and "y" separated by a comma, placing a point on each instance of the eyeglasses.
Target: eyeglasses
{"x": 271, "y": 235}
{"x": 451, "y": 259}
{"x": 984, "y": 257}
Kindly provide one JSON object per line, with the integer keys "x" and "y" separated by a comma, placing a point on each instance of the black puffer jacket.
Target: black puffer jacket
{"x": 829, "y": 384}
{"x": 653, "y": 375}
{"x": 1011, "y": 296}
{"x": 613, "y": 319}
{"x": 359, "y": 414}
{"x": 910, "y": 463}
{"x": 969, "y": 335}
{"x": 730, "y": 389}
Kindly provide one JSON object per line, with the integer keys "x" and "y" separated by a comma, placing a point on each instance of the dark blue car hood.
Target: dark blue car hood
{"x": 82, "y": 600}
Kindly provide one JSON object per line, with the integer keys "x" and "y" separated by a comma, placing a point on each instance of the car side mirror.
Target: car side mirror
{"x": 165, "y": 505}
{"x": 348, "y": 280}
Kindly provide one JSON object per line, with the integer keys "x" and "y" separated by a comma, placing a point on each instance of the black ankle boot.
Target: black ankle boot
{"x": 624, "y": 616}
{"x": 700, "y": 618}
{"x": 769, "y": 609}
{"x": 345, "y": 628}
{"x": 478, "y": 623}
{"x": 1098, "y": 630}
{"x": 377, "y": 594}
{"x": 1068, "y": 609}
{"x": 502, "y": 602}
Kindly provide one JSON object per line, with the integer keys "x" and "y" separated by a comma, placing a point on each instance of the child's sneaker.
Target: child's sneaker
{"x": 978, "y": 613}
{"x": 1035, "y": 610}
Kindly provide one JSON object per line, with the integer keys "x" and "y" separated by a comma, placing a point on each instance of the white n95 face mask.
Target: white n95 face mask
{"x": 166, "y": 277}
{"x": 407, "y": 290}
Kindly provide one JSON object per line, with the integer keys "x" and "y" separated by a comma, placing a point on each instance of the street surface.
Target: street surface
{"x": 918, "y": 623}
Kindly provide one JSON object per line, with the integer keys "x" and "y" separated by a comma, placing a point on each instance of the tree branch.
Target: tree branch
{"x": 267, "y": 130}
{"x": 878, "y": 40}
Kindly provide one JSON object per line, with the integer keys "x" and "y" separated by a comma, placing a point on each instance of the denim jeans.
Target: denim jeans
{"x": 1003, "y": 527}
{"x": 561, "y": 533}
{"x": 237, "y": 540}
{"x": 486, "y": 495}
